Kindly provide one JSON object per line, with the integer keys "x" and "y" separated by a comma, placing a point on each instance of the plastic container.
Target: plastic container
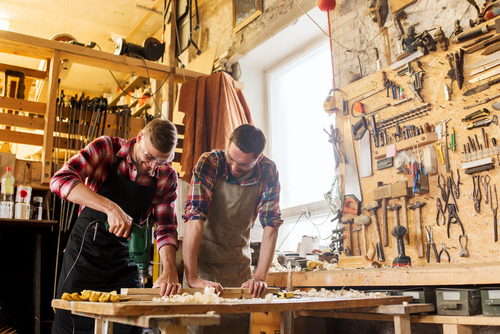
{"x": 37, "y": 208}
{"x": 7, "y": 195}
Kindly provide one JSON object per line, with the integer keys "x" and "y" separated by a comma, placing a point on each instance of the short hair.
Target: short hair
{"x": 162, "y": 134}
{"x": 249, "y": 139}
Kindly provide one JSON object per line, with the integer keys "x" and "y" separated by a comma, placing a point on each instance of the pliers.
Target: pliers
{"x": 444, "y": 194}
{"x": 430, "y": 241}
{"x": 485, "y": 180}
{"x": 476, "y": 193}
{"x": 456, "y": 189}
{"x": 451, "y": 194}
{"x": 453, "y": 218}
{"x": 443, "y": 249}
{"x": 439, "y": 206}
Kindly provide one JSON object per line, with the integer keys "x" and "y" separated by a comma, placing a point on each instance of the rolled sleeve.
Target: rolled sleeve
{"x": 269, "y": 207}
{"x": 165, "y": 218}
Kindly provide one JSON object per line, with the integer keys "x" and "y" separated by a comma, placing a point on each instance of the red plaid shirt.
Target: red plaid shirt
{"x": 92, "y": 165}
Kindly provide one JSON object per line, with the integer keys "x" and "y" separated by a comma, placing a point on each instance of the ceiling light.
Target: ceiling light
{"x": 4, "y": 24}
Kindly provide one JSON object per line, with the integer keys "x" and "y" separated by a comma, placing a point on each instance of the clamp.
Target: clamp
{"x": 453, "y": 219}
{"x": 443, "y": 249}
{"x": 430, "y": 241}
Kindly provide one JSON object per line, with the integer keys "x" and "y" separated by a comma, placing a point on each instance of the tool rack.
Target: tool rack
{"x": 43, "y": 115}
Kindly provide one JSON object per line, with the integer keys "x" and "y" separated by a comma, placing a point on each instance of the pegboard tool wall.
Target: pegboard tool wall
{"x": 478, "y": 226}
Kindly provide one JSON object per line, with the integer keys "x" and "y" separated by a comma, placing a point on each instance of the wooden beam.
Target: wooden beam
{"x": 143, "y": 20}
{"x": 22, "y": 121}
{"x": 27, "y": 71}
{"x": 22, "y": 105}
{"x": 21, "y": 137}
{"x": 50, "y": 116}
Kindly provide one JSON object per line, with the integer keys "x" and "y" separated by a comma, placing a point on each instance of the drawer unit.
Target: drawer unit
{"x": 461, "y": 302}
{"x": 490, "y": 301}
{"x": 420, "y": 295}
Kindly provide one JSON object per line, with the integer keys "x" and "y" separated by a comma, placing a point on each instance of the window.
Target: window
{"x": 299, "y": 146}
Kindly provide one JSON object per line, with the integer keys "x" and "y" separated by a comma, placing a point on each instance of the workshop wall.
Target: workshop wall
{"x": 356, "y": 31}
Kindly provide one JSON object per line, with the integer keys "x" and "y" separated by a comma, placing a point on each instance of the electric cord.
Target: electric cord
{"x": 291, "y": 230}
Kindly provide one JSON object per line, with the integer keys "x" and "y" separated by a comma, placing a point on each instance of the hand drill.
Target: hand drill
{"x": 138, "y": 249}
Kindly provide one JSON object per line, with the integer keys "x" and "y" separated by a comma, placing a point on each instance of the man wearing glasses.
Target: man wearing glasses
{"x": 119, "y": 181}
{"x": 229, "y": 189}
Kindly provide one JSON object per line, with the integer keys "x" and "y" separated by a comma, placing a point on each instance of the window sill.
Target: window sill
{"x": 319, "y": 207}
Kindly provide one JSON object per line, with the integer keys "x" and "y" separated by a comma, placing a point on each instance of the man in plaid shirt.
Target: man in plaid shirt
{"x": 229, "y": 189}
{"x": 120, "y": 182}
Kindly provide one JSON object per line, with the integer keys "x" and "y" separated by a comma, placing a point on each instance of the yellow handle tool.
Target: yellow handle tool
{"x": 440, "y": 152}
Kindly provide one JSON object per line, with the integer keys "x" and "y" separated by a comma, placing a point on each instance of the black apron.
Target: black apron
{"x": 104, "y": 264}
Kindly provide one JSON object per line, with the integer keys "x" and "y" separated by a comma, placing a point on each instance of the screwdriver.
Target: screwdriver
{"x": 494, "y": 142}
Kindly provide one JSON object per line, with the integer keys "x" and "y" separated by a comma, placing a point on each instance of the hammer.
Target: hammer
{"x": 420, "y": 241}
{"x": 395, "y": 208}
{"x": 382, "y": 193}
{"x": 358, "y": 253}
{"x": 400, "y": 190}
{"x": 363, "y": 220}
{"x": 347, "y": 220}
{"x": 372, "y": 208}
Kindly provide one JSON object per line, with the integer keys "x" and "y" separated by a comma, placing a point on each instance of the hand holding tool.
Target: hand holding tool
{"x": 420, "y": 242}
{"x": 463, "y": 248}
{"x": 443, "y": 249}
{"x": 401, "y": 259}
{"x": 139, "y": 249}
{"x": 372, "y": 208}
{"x": 363, "y": 220}
{"x": 476, "y": 194}
{"x": 430, "y": 242}
{"x": 494, "y": 208}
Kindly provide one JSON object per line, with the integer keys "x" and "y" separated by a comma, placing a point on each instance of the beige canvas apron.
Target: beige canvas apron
{"x": 224, "y": 254}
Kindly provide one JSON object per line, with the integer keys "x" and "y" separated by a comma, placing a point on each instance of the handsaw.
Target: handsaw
{"x": 483, "y": 61}
{"x": 482, "y": 87}
{"x": 485, "y": 68}
{"x": 352, "y": 188}
{"x": 486, "y": 75}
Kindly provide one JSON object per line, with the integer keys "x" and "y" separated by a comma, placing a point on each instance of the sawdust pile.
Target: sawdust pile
{"x": 207, "y": 297}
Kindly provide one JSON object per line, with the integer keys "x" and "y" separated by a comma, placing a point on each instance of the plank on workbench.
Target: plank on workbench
{"x": 245, "y": 306}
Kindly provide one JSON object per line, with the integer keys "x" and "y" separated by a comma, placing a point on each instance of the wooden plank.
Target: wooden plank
{"x": 22, "y": 105}
{"x": 456, "y": 329}
{"x": 204, "y": 62}
{"x": 402, "y": 324}
{"x": 149, "y": 321}
{"x": 246, "y": 306}
{"x": 227, "y": 293}
{"x": 438, "y": 274}
{"x": 27, "y": 71}
{"x": 50, "y": 116}
{"x": 27, "y": 222}
{"x": 21, "y": 137}
{"x": 408, "y": 144}
{"x": 22, "y": 121}
{"x": 395, "y": 309}
{"x": 143, "y": 20}
{"x": 397, "y": 5}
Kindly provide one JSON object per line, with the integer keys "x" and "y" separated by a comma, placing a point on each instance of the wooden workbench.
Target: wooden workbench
{"x": 161, "y": 312}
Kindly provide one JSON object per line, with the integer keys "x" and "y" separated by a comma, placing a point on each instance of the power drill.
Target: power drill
{"x": 138, "y": 249}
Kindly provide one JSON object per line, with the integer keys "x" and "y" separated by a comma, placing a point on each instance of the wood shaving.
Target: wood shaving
{"x": 207, "y": 297}
{"x": 324, "y": 293}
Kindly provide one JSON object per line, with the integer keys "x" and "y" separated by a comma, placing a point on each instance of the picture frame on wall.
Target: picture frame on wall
{"x": 244, "y": 12}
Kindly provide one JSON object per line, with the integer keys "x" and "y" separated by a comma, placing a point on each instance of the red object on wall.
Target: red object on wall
{"x": 326, "y": 5}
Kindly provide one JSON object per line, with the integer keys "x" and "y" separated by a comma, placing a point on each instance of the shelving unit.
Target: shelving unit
{"x": 130, "y": 86}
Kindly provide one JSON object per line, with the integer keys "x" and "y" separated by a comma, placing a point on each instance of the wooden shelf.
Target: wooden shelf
{"x": 407, "y": 144}
{"x": 431, "y": 275}
{"x": 131, "y": 86}
{"x": 139, "y": 111}
{"x": 27, "y": 222}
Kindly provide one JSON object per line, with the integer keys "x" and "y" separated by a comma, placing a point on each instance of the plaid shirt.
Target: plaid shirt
{"x": 94, "y": 162}
{"x": 212, "y": 168}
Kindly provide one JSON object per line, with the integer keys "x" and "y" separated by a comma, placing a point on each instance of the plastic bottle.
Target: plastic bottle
{"x": 37, "y": 208}
{"x": 7, "y": 195}
{"x": 23, "y": 198}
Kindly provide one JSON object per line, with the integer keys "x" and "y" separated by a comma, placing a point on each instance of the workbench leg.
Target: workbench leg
{"x": 456, "y": 329}
{"x": 103, "y": 326}
{"x": 286, "y": 319}
{"x": 173, "y": 330}
{"x": 402, "y": 324}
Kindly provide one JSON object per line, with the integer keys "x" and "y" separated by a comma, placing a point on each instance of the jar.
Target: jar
{"x": 37, "y": 208}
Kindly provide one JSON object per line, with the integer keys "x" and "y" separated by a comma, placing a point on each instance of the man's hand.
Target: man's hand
{"x": 168, "y": 283}
{"x": 198, "y": 283}
{"x": 256, "y": 287}
{"x": 119, "y": 222}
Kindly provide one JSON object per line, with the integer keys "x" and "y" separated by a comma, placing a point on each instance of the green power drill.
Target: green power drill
{"x": 138, "y": 249}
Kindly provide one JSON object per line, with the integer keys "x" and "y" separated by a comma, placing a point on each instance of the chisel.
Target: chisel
{"x": 482, "y": 87}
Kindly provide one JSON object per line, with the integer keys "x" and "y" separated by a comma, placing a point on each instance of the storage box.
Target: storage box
{"x": 490, "y": 301}
{"x": 420, "y": 295}
{"x": 462, "y": 302}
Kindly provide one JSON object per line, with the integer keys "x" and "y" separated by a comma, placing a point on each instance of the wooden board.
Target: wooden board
{"x": 139, "y": 308}
{"x": 204, "y": 62}
{"x": 227, "y": 293}
{"x": 397, "y": 5}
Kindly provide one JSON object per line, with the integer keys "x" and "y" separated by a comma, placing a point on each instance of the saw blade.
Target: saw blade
{"x": 486, "y": 67}
{"x": 486, "y": 75}
{"x": 352, "y": 186}
{"x": 365, "y": 155}
{"x": 483, "y": 61}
